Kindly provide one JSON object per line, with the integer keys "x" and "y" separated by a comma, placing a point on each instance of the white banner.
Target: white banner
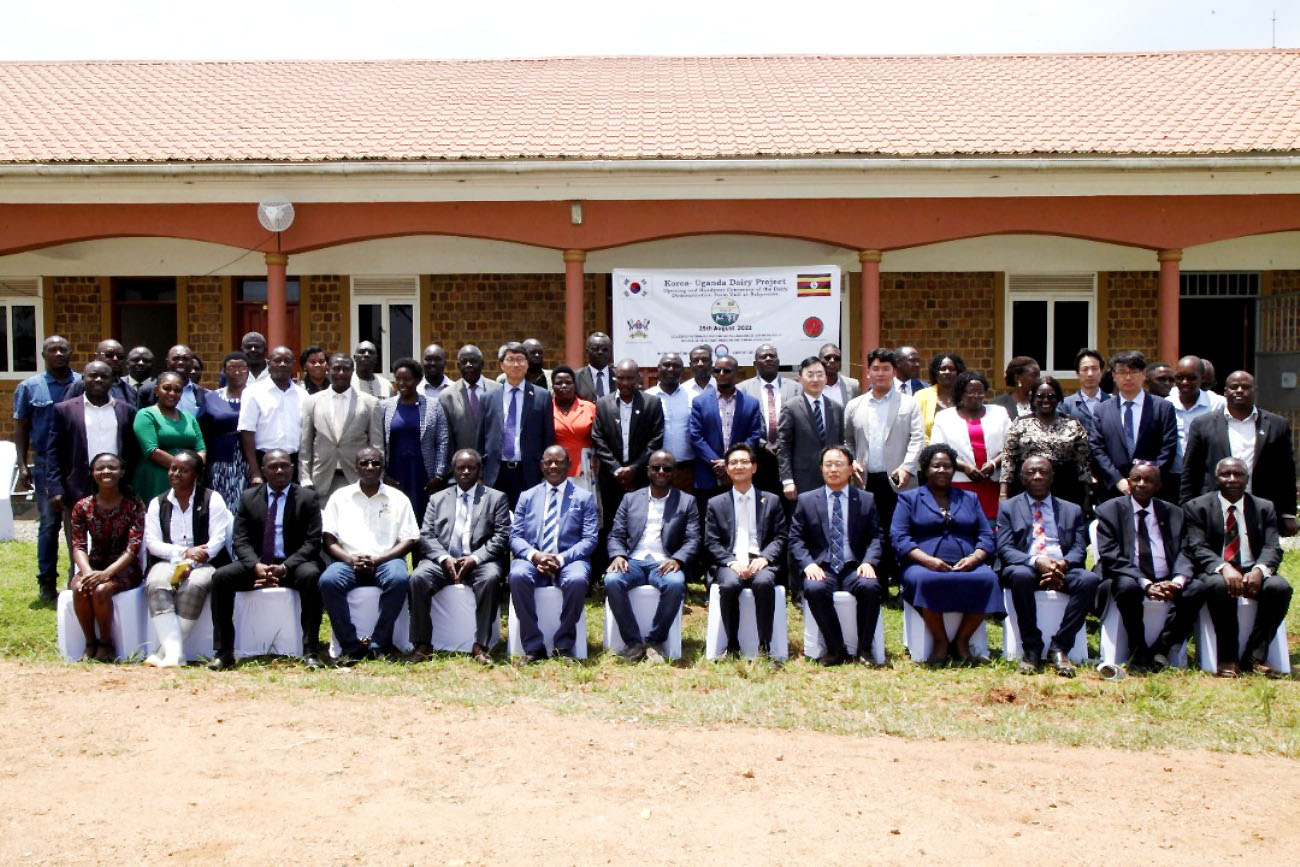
{"x": 732, "y": 310}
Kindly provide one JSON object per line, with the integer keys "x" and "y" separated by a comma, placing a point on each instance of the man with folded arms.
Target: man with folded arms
{"x": 369, "y": 528}
{"x": 1140, "y": 555}
{"x": 655, "y": 534}
{"x": 1232, "y": 541}
{"x": 277, "y": 543}
{"x": 465, "y": 539}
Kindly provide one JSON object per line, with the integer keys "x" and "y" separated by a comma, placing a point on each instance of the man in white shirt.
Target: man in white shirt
{"x": 700, "y": 362}
{"x": 270, "y": 414}
{"x": 253, "y": 344}
{"x": 839, "y": 387}
{"x": 434, "y": 363}
{"x": 366, "y": 356}
{"x": 675, "y": 401}
{"x": 1190, "y": 402}
{"x": 368, "y": 529}
{"x": 908, "y": 369}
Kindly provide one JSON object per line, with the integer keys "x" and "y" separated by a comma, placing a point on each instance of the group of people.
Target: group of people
{"x": 552, "y": 476}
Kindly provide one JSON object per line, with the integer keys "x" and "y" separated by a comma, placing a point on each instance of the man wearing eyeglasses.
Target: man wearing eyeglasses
{"x": 720, "y": 418}
{"x": 839, "y": 387}
{"x": 656, "y": 533}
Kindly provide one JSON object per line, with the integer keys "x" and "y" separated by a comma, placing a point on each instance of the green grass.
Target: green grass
{"x": 1170, "y": 710}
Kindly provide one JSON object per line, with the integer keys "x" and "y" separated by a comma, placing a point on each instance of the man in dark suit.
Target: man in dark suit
{"x": 629, "y": 426}
{"x": 518, "y": 424}
{"x": 464, "y": 402}
{"x": 180, "y": 360}
{"x": 1132, "y": 426}
{"x": 1042, "y": 543}
{"x": 552, "y": 537}
{"x": 81, "y": 428}
{"x": 277, "y": 543}
{"x": 908, "y": 370}
{"x": 1261, "y": 439}
{"x": 1140, "y": 556}
{"x": 464, "y": 539}
{"x": 1089, "y": 366}
{"x": 710, "y": 437}
{"x": 744, "y": 534}
{"x": 111, "y": 353}
{"x": 1231, "y": 564}
{"x": 835, "y": 544}
{"x": 655, "y": 535}
{"x": 772, "y": 391}
{"x": 809, "y": 423}
{"x": 596, "y": 379}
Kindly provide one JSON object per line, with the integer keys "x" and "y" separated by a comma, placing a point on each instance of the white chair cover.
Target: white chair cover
{"x": 644, "y": 599}
{"x": 715, "y": 643}
{"x": 549, "y": 600}
{"x": 1114, "y": 640}
{"x": 846, "y": 609}
{"x": 268, "y": 621}
{"x": 917, "y": 638}
{"x": 1207, "y": 640}
{"x": 363, "y": 605}
{"x": 130, "y": 630}
{"x": 454, "y": 626}
{"x": 1051, "y": 610}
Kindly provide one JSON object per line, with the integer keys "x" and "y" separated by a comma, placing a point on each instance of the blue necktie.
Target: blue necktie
{"x": 512, "y": 422}
{"x": 821, "y": 422}
{"x": 837, "y": 533}
{"x": 551, "y": 523}
{"x": 1129, "y": 433}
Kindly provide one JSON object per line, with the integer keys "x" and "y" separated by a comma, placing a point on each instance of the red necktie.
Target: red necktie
{"x": 771, "y": 413}
{"x": 1231, "y": 538}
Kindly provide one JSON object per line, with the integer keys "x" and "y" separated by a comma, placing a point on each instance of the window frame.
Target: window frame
{"x": 385, "y": 291}
{"x": 11, "y": 295}
{"x": 1037, "y": 286}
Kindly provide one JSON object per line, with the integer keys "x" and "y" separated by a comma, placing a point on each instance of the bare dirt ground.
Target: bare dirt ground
{"x": 129, "y": 765}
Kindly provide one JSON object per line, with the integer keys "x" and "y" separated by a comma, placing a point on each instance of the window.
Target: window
{"x": 386, "y": 311}
{"x": 21, "y": 326}
{"x": 1050, "y": 317}
{"x": 144, "y": 314}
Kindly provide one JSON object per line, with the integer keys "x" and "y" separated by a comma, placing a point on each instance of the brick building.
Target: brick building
{"x": 987, "y": 205}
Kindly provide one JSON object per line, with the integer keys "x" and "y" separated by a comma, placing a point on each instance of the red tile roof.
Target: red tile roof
{"x": 1216, "y": 102}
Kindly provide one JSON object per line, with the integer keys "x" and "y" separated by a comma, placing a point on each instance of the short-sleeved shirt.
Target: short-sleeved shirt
{"x": 369, "y": 525}
{"x": 34, "y": 400}
{"x": 273, "y": 415}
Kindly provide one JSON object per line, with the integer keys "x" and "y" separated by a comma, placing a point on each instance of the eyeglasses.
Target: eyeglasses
{"x": 739, "y": 462}
{"x": 370, "y": 463}
{"x": 722, "y": 370}
{"x": 830, "y": 358}
{"x": 656, "y": 469}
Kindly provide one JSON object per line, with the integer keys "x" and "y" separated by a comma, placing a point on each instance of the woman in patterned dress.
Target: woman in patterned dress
{"x": 107, "y": 529}
{"x": 227, "y": 472}
{"x": 1060, "y": 439}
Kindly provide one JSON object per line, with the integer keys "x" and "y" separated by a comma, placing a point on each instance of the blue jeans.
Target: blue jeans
{"x": 47, "y": 534}
{"x": 339, "y": 579}
{"x": 671, "y": 587}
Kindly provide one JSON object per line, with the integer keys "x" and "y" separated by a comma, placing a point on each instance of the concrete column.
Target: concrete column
{"x": 1167, "y": 309}
{"x": 277, "y": 313}
{"x": 869, "y": 309}
{"x": 573, "y": 303}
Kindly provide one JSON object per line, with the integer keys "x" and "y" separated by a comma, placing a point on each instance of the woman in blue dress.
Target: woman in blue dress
{"x": 413, "y": 433}
{"x": 227, "y": 471}
{"x": 945, "y": 546}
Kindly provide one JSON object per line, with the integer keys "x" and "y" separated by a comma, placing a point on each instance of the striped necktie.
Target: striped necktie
{"x": 1231, "y": 538}
{"x": 551, "y": 523}
{"x": 836, "y": 555}
{"x": 820, "y": 420}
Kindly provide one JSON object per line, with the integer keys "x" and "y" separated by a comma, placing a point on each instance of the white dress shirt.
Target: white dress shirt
{"x": 182, "y": 528}
{"x": 773, "y": 390}
{"x": 835, "y": 392}
{"x": 1139, "y": 404}
{"x": 744, "y": 510}
{"x": 341, "y": 403}
{"x": 279, "y": 520}
{"x": 101, "y": 429}
{"x": 1241, "y": 439}
{"x": 694, "y": 389}
{"x": 464, "y": 519}
{"x": 1159, "y": 563}
{"x": 651, "y": 544}
{"x": 606, "y": 374}
{"x": 369, "y": 525}
{"x": 274, "y": 415}
{"x": 677, "y": 418}
{"x": 1244, "y": 551}
{"x": 516, "y": 393}
{"x": 847, "y": 549}
{"x": 433, "y": 391}
{"x": 1184, "y": 416}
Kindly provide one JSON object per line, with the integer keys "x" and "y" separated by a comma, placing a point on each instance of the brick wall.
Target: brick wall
{"x": 1130, "y": 320}
{"x": 490, "y": 309}
{"x": 323, "y": 311}
{"x": 1284, "y": 282}
{"x": 208, "y": 332}
{"x": 939, "y": 312}
{"x": 78, "y": 314}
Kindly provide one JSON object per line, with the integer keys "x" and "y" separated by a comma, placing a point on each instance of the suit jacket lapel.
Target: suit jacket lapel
{"x": 1166, "y": 534}
{"x": 670, "y": 509}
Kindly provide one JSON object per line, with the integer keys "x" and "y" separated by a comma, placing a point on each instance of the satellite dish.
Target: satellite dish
{"x": 275, "y": 215}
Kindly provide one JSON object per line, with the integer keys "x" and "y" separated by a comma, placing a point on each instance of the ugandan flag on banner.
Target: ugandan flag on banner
{"x": 814, "y": 285}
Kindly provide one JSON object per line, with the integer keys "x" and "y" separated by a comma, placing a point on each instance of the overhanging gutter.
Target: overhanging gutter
{"x": 366, "y": 168}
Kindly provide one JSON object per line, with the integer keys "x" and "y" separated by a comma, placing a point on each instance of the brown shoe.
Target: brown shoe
{"x": 420, "y": 653}
{"x": 480, "y": 655}
{"x": 1228, "y": 669}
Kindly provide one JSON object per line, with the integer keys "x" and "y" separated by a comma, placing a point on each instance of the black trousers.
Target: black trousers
{"x": 1080, "y": 584}
{"x": 820, "y": 596}
{"x": 886, "y": 501}
{"x": 763, "y": 583}
{"x": 1274, "y": 599}
{"x": 429, "y": 577}
{"x": 1129, "y": 596}
{"x": 234, "y": 577}
{"x": 510, "y": 481}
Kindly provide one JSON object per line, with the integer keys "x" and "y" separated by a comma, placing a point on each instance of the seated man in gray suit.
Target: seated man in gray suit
{"x": 464, "y": 539}
{"x": 656, "y": 533}
{"x": 335, "y": 426}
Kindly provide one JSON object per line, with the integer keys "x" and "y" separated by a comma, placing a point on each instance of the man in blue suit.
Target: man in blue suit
{"x": 835, "y": 545}
{"x": 711, "y": 436}
{"x": 1042, "y": 542}
{"x": 1132, "y": 426}
{"x": 517, "y": 424}
{"x": 552, "y": 537}
{"x": 656, "y": 533}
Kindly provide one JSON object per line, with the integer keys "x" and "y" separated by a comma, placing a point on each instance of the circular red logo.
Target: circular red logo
{"x": 813, "y": 327}
{"x": 635, "y": 288}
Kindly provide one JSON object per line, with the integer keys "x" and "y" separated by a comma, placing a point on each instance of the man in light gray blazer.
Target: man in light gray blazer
{"x": 464, "y": 539}
{"x": 883, "y": 429}
{"x": 463, "y": 403}
{"x": 839, "y": 387}
{"x": 335, "y": 426}
{"x": 772, "y": 391}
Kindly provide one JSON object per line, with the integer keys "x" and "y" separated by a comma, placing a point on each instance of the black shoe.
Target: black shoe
{"x": 531, "y": 659}
{"x": 830, "y": 659}
{"x": 221, "y": 662}
{"x": 48, "y": 594}
{"x": 1030, "y": 663}
{"x": 1141, "y": 660}
{"x": 311, "y": 660}
{"x": 1159, "y": 661}
{"x": 1060, "y": 662}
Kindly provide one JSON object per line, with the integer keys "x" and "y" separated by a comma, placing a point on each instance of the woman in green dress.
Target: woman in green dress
{"x": 162, "y": 430}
